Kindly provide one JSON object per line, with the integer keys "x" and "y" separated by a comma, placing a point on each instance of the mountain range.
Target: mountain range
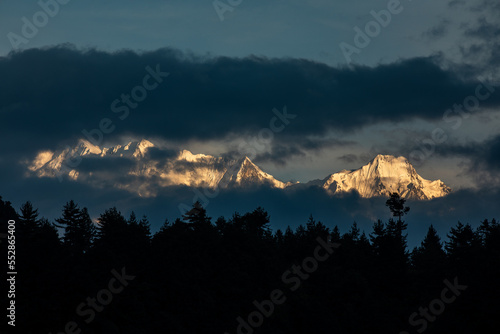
{"x": 143, "y": 168}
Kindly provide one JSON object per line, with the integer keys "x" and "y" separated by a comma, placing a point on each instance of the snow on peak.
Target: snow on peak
{"x": 141, "y": 148}
{"x": 145, "y": 144}
{"x": 389, "y": 160}
{"x": 389, "y": 166}
{"x": 188, "y": 156}
{"x": 247, "y": 162}
{"x": 40, "y": 160}
{"x": 383, "y": 175}
{"x": 134, "y": 148}
{"x": 84, "y": 147}
{"x": 251, "y": 174}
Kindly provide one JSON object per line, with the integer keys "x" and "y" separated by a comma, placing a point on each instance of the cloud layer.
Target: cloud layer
{"x": 53, "y": 94}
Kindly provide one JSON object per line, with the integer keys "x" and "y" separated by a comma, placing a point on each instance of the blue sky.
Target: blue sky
{"x": 311, "y": 29}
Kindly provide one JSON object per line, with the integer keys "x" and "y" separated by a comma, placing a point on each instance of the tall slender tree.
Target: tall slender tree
{"x": 87, "y": 231}
{"x": 28, "y": 219}
{"x": 397, "y": 206}
{"x": 79, "y": 230}
{"x": 429, "y": 256}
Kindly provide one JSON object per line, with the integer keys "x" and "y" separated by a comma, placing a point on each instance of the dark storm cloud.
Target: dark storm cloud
{"x": 108, "y": 164}
{"x": 456, "y": 3}
{"x": 484, "y": 29}
{"x": 482, "y": 33}
{"x": 487, "y": 34}
{"x": 486, "y": 154}
{"x": 53, "y": 94}
{"x": 348, "y": 158}
{"x": 181, "y": 166}
{"x": 287, "y": 147}
{"x": 280, "y": 154}
{"x": 483, "y": 159}
{"x": 160, "y": 154}
{"x": 486, "y": 5}
{"x": 476, "y": 6}
{"x": 438, "y": 31}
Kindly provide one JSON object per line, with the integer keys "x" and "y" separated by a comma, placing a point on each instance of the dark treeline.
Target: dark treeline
{"x": 198, "y": 275}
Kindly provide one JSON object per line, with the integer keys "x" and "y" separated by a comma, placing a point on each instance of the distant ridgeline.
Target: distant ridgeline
{"x": 152, "y": 167}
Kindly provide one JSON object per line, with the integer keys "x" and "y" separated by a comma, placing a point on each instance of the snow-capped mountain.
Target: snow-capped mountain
{"x": 186, "y": 168}
{"x": 142, "y": 168}
{"x": 382, "y": 176}
{"x": 66, "y": 161}
{"x": 201, "y": 170}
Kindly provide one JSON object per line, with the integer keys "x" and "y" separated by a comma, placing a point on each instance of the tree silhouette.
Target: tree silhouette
{"x": 257, "y": 223}
{"x": 140, "y": 230}
{"x": 397, "y": 206}
{"x": 79, "y": 230}
{"x": 28, "y": 219}
{"x": 193, "y": 276}
{"x": 87, "y": 231}
{"x": 429, "y": 258}
{"x": 197, "y": 216}
{"x": 463, "y": 245}
{"x": 7, "y": 212}
{"x": 114, "y": 233}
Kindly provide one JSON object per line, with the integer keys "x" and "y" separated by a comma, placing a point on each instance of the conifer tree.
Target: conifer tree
{"x": 69, "y": 221}
{"x": 429, "y": 256}
{"x": 463, "y": 243}
{"x": 28, "y": 219}
{"x": 397, "y": 206}
{"x": 335, "y": 234}
{"x": 113, "y": 230}
{"x": 79, "y": 230}
{"x": 197, "y": 216}
{"x": 86, "y": 231}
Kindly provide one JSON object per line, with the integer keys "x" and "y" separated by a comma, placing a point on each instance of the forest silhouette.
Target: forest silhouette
{"x": 200, "y": 275}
